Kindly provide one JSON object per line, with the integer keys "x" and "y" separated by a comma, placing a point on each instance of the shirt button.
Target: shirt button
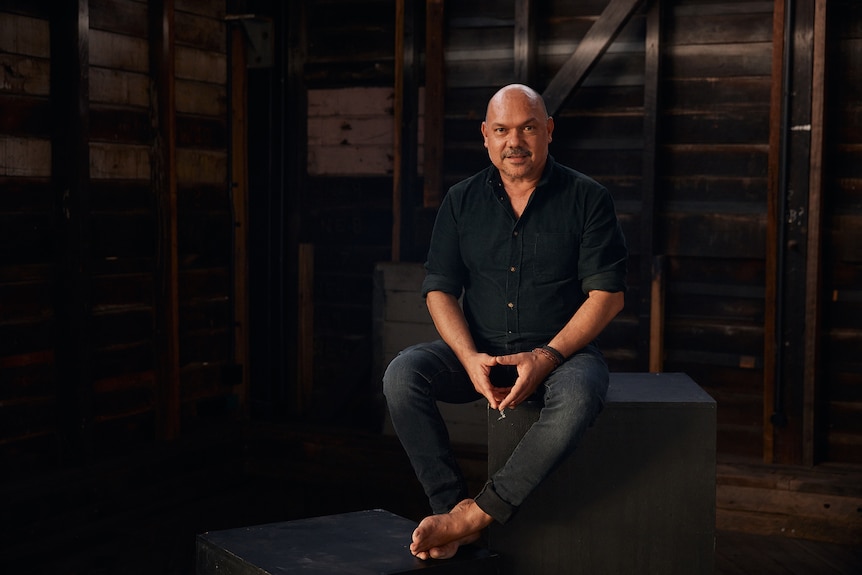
{"x": 511, "y": 305}
{"x": 515, "y": 233}
{"x": 511, "y": 269}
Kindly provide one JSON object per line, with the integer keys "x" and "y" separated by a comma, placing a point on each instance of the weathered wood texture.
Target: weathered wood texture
{"x": 703, "y": 209}
{"x": 840, "y": 400}
{"x": 118, "y": 252}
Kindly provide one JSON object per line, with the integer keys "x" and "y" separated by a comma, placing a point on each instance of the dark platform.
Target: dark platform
{"x": 373, "y": 542}
{"x": 638, "y": 495}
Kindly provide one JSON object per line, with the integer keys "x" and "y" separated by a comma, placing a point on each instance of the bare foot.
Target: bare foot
{"x": 440, "y": 536}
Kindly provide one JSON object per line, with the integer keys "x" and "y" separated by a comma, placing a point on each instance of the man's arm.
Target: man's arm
{"x": 585, "y": 325}
{"x": 452, "y": 326}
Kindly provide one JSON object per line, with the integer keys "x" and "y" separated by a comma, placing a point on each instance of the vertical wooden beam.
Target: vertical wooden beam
{"x": 652, "y": 267}
{"x": 525, "y": 41}
{"x": 774, "y": 181}
{"x": 239, "y": 204}
{"x": 813, "y": 256}
{"x": 792, "y": 236}
{"x": 405, "y": 132}
{"x": 435, "y": 90}
{"x": 70, "y": 165}
{"x": 290, "y": 140}
{"x": 164, "y": 180}
{"x": 305, "y": 363}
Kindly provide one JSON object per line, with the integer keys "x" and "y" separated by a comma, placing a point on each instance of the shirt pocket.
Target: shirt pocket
{"x": 555, "y": 257}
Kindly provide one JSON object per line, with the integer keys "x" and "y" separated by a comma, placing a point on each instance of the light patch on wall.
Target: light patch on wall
{"x": 350, "y": 132}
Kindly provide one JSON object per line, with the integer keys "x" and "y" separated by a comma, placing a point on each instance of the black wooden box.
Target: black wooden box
{"x": 373, "y": 542}
{"x": 638, "y": 495}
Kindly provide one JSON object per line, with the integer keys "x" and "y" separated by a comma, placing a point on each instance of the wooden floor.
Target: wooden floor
{"x": 149, "y": 526}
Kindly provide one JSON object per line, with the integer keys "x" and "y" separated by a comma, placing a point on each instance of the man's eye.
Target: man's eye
{"x": 529, "y": 128}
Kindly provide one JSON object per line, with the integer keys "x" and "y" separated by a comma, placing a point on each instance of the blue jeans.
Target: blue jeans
{"x": 572, "y": 395}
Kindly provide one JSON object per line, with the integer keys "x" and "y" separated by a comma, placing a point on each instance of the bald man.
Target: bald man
{"x": 535, "y": 253}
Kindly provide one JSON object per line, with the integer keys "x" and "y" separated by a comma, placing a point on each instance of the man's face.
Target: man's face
{"x": 517, "y": 132}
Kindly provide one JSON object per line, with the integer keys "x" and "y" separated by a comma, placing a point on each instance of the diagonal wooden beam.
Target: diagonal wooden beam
{"x": 588, "y": 52}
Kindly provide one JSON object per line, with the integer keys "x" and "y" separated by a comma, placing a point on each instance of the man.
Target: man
{"x": 537, "y": 253}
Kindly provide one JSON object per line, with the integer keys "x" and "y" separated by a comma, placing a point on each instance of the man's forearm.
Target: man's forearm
{"x": 450, "y": 322}
{"x": 588, "y": 322}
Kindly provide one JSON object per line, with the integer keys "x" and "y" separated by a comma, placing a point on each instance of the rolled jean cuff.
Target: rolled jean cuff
{"x": 491, "y": 503}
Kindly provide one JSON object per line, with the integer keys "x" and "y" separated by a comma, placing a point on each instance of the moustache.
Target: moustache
{"x": 520, "y": 152}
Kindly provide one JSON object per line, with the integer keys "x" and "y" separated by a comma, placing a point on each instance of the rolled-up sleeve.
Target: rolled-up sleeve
{"x": 445, "y": 270}
{"x": 603, "y": 252}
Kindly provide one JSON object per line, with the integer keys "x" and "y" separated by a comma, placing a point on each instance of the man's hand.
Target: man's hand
{"x": 478, "y": 368}
{"x": 532, "y": 371}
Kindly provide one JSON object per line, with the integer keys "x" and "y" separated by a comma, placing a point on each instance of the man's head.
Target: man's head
{"x": 517, "y": 131}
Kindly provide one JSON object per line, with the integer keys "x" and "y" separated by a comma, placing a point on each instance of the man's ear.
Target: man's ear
{"x": 550, "y": 128}
{"x": 483, "y": 129}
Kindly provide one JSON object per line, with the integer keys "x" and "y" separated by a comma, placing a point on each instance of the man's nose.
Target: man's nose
{"x": 514, "y": 138}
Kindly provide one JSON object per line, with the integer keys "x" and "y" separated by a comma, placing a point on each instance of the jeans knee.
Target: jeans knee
{"x": 396, "y": 377}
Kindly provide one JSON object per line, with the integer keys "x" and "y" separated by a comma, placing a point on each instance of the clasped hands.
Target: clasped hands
{"x": 532, "y": 370}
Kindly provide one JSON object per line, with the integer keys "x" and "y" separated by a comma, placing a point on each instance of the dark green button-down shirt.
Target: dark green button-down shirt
{"x": 523, "y": 278}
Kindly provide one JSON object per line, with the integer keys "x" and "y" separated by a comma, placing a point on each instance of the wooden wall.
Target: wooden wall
{"x": 840, "y": 394}
{"x": 116, "y": 277}
{"x": 118, "y": 250}
{"x": 676, "y": 118}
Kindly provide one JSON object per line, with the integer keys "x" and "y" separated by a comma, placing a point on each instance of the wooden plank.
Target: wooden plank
{"x": 240, "y": 209}
{"x": 24, "y": 36}
{"x": 405, "y": 143}
{"x": 119, "y": 16}
{"x": 205, "y": 32}
{"x": 201, "y": 65}
{"x": 793, "y": 239}
{"x": 434, "y": 109}
{"x": 118, "y": 51}
{"x": 201, "y": 98}
{"x": 201, "y": 166}
{"x": 25, "y": 157}
{"x": 813, "y": 271}
{"x": 651, "y": 304}
{"x": 70, "y": 51}
{"x": 589, "y": 50}
{"x": 119, "y": 161}
{"x": 109, "y": 86}
{"x": 165, "y": 175}
{"x": 526, "y": 46}
{"x": 24, "y": 75}
{"x": 305, "y": 313}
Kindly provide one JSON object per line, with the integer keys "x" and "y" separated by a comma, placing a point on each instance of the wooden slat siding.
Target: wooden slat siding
{"x": 28, "y": 226}
{"x": 206, "y": 215}
{"x": 166, "y": 305}
{"x": 840, "y": 438}
{"x": 351, "y": 44}
{"x": 819, "y": 505}
{"x": 74, "y": 358}
{"x": 591, "y": 48}
{"x": 715, "y": 140}
{"x": 124, "y": 225}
